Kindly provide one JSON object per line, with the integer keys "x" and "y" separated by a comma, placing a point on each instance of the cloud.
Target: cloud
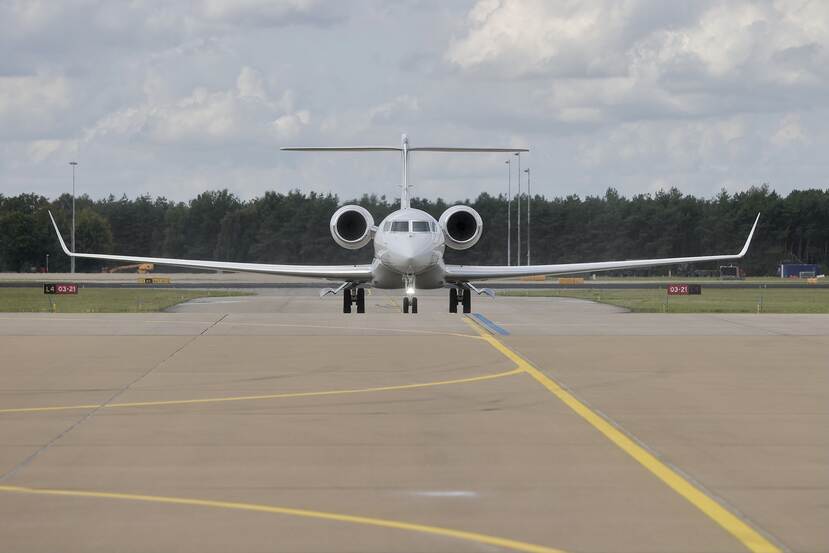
{"x": 168, "y": 98}
{"x": 605, "y": 62}
{"x": 30, "y": 104}
{"x": 394, "y": 109}
{"x": 270, "y": 13}
{"x": 246, "y": 112}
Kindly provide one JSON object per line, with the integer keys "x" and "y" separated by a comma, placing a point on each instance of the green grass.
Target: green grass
{"x": 702, "y": 280}
{"x": 763, "y": 300}
{"x": 101, "y": 300}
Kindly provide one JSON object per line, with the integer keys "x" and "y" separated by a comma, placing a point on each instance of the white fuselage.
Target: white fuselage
{"x": 408, "y": 251}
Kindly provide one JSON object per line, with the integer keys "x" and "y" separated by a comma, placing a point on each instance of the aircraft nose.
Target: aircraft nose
{"x": 412, "y": 255}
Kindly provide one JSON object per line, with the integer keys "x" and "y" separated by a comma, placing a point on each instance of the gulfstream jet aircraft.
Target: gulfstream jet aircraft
{"x": 408, "y": 248}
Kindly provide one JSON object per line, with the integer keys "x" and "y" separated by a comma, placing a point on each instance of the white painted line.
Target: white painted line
{"x": 445, "y": 493}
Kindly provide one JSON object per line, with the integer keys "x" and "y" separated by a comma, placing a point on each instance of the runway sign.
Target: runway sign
{"x": 154, "y": 280}
{"x": 684, "y": 289}
{"x": 60, "y": 288}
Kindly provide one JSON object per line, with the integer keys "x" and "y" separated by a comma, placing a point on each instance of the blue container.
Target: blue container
{"x": 793, "y": 270}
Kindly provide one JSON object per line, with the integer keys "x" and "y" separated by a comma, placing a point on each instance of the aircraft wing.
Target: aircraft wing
{"x": 471, "y": 272}
{"x": 336, "y": 272}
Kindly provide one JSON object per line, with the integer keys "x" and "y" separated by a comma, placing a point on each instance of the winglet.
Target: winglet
{"x": 750, "y": 236}
{"x": 62, "y": 243}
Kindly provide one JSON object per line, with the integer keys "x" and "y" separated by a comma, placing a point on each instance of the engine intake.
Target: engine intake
{"x": 352, "y": 227}
{"x": 462, "y": 227}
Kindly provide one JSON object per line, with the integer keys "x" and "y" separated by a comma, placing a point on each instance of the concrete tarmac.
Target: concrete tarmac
{"x": 276, "y": 423}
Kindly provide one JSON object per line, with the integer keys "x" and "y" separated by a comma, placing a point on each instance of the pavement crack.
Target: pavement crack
{"x": 28, "y": 460}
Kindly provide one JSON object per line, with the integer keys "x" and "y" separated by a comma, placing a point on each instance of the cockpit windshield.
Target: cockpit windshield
{"x": 400, "y": 226}
{"x": 420, "y": 226}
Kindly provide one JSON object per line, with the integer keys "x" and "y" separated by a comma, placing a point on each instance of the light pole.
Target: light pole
{"x": 47, "y": 262}
{"x": 518, "y": 243}
{"x": 72, "y": 259}
{"x": 509, "y": 211}
{"x": 529, "y": 199}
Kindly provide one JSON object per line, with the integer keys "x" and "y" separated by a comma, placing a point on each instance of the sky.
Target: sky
{"x": 174, "y": 98}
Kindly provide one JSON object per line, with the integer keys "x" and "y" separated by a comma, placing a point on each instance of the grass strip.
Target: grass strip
{"x": 713, "y": 300}
{"x": 101, "y": 300}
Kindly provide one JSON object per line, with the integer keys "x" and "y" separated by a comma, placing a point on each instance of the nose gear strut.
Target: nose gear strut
{"x": 410, "y": 301}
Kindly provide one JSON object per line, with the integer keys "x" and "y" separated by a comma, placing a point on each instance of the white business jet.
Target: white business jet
{"x": 408, "y": 248}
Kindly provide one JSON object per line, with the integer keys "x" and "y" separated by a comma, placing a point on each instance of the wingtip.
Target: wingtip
{"x": 60, "y": 237}
{"x": 750, "y": 236}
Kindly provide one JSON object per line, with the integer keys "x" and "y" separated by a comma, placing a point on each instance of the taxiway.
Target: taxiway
{"x": 276, "y": 423}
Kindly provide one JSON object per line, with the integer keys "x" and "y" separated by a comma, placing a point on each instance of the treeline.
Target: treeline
{"x": 293, "y": 228}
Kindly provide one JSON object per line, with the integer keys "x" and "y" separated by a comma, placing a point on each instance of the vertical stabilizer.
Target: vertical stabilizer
{"x": 404, "y": 186}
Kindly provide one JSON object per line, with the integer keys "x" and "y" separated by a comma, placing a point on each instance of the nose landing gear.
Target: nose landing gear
{"x": 410, "y": 301}
{"x": 463, "y": 296}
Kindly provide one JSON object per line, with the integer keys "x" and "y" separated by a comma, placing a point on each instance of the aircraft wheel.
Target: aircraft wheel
{"x": 361, "y": 300}
{"x": 406, "y": 304}
{"x": 453, "y": 300}
{"x": 414, "y": 305}
{"x": 467, "y": 301}
{"x": 346, "y": 301}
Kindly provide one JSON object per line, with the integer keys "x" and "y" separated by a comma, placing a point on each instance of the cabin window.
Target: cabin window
{"x": 420, "y": 226}
{"x": 400, "y": 226}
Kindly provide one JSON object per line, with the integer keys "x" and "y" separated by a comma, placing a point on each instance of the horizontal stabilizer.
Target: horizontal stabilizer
{"x": 404, "y": 149}
{"x": 342, "y": 149}
{"x": 462, "y": 150}
{"x": 397, "y": 149}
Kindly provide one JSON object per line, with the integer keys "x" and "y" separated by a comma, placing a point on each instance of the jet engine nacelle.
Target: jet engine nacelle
{"x": 462, "y": 227}
{"x": 352, "y": 227}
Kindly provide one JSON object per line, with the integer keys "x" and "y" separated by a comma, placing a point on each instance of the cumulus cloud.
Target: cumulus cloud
{"x": 604, "y": 61}
{"x": 243, "y": 113}
{"x": 168, "y": 98}
{"x": 272, "y": 13}
{"x": 29, "y": 104}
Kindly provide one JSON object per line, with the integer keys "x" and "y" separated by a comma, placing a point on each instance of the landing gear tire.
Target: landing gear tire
{"x": 347, "y": 301}
{"x": 467, "y": 301}
{"x": 361, "y": 300}
{"x": 453, "y": 300}
{"x": 406, "y": 304}
{"x": 414, "y": 305}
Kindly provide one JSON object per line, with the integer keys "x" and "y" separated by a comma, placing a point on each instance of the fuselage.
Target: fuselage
{"x": 408, "y": 251}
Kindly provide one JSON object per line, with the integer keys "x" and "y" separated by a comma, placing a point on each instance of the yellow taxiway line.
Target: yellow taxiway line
{"x": 485, "y": 539}
{"x": 287, "y": 395}
{"x": 730, "y": 522}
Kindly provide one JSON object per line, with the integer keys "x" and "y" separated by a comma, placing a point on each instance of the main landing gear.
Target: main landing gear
{"x": 462, "y": 296}
{"x": 410, "y": 303}
{"x": 354, "y": 296}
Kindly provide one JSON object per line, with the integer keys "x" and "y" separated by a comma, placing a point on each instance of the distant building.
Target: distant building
{"x": 731, "y": 272}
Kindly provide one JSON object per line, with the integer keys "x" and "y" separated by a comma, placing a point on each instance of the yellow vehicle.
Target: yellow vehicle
{"x": 142, "y": 268}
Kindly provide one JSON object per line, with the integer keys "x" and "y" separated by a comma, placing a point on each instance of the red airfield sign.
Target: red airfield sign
{"x": 60, "y": 288}
{"x": 684, "y": 289}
